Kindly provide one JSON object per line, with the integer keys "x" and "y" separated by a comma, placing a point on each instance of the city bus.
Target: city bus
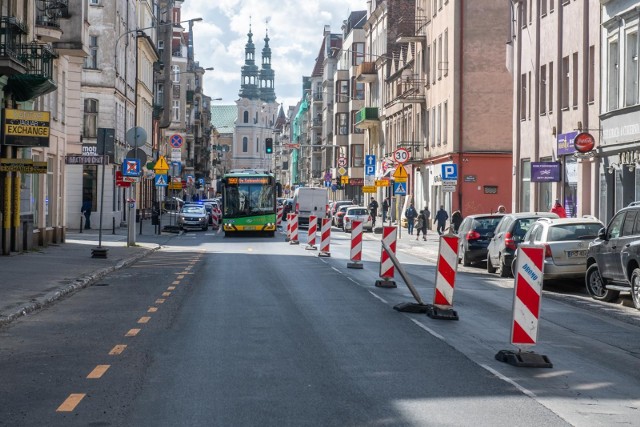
{"x": 248, "y": 202}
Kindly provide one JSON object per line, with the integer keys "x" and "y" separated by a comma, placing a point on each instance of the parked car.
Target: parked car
{"x": 357, "y": 213}
{"x": 507, "y": 236}
{"x": 565, "y": 241}
{"x": 339, "y": 216}
{"x": 193, "y": 216}
{"x": 474, "y": 235}
{"x": 613, "y": 259}
{"x": 335, "y": 208}
{"x": 310, "y": 201}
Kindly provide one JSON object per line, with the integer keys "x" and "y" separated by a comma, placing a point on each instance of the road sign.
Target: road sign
{"x": 161, "y": 181}
{"x": 176, "y": 140}
{"x": 401, "y": 155}
{"x": 131, "y": 167}
{"x": 449, "y": 186}
{"x": 382, "y": 183}
{"x": 370, "y": 165}
{"x": 342, "y": 161}
{"x": 342, "y": 171}
{"x": 450, "y": 171}
{"x": 344, "y": 179}
{"x": 190, "y": 180}
{"x": 400, "y": 188}
{"x": 368, "y": 189}
{"x": 400, "y": 175}
{"x": 176, "y": 154}
{"x": 161, "y": 165}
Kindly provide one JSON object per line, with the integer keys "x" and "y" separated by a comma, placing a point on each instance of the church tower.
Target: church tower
{"x": 249, "y": 86}
{"x": 267, "y": 90}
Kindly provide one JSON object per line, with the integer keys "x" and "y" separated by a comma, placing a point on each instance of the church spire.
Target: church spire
{"x": 267, "y": 75}
{"x": 249, "y": 86}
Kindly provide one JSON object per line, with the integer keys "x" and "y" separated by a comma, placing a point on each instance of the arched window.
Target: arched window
{"x": 90, "y": 125}
{"x": 245, "y": 144}
{"x": 245, "y": 117}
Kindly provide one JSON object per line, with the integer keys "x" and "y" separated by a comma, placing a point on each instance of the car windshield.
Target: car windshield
{"x": 563, "y": 232}
{"x": 357, "y": 212}
{"x": 193, "y": 209}
{"x": 485, "y": 225}
{"x": 520, "y": 228}
{"x": 248, "y": 199}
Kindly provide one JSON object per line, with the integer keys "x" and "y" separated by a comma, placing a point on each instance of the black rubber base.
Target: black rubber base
{"x": 386, "y": 283}
{"x": 311, "y": 248}
{"x": 324, "y": 254}
{"x": 524, "y": 359}
{"x": 436, "y": 312}
{"x": 356, "y": 265}
{"x": 411, "y": 307}
{"x": 99, "y": 252}
{"x": 294, "y": 242}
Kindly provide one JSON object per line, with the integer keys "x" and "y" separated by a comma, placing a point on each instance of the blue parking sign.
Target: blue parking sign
{"x": 370, "y": 165}
{"x": 450, "y": 171}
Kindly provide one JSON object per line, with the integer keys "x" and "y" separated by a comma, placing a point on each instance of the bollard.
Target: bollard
{"x": 386, "y": 265}
{"x": 294, "y": 230}
{"x": 313, "y": 228}
{"x": 141, "y": 225}
{"x": 442, "y": 307}
{"x": 279, "y": 217}
{"x": 81, "y": 223}
{"x": 113, "y": 224}
{"x": 288, "y": 236}
{"x": 356, "y": 245}
{"x": 325, "y": 238}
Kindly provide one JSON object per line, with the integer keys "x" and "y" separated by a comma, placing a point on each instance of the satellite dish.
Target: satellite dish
{"x": 136, "y": 137}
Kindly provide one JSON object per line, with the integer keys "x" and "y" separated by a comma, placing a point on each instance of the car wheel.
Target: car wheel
{"x": 465, "y": 258}
{"x": 514, "y": 265}
{"x": 635, "y": 288}
{"x": 505, "y": 270}
{"x": 597, "y": 286}
{"x": 490, "y": 267}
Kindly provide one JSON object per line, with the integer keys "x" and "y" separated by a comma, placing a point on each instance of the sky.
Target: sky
{"x": 295, "y": 32}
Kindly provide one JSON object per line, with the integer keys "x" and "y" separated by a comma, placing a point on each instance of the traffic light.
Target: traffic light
{"x": 268, "y": 145}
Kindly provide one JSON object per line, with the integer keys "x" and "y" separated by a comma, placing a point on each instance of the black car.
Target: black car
{"x": 507, "y": 236}
{"x": 474, "y": 235}
{"x": 613, "y": 259}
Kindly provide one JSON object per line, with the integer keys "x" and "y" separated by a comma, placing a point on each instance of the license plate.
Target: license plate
{"x": 576, "y": 254}
{"x": 249, "y": 227}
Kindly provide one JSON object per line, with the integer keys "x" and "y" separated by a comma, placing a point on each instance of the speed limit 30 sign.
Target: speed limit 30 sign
{"x": 401, "y": 155}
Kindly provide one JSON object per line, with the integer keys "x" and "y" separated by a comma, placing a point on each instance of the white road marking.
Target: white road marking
{"x": 510, "y": 381}
{"x": 379, "y": 297}
{"x": 336, "y": 270}
{"x": 426, "y": 328}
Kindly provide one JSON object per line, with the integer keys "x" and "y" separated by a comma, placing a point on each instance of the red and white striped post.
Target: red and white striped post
{"x": 313, "y": 229}
{"x": 279, "y": 216}
{"x": 389, "y": 236}
{"x": 527, "y": 295}
{"x": 442, "y": 307}
{"x": 288, "y": 238}
{"x": 356, "y": 245}
{"x": 294, "y": 230}
{"x": 325, "y": 238}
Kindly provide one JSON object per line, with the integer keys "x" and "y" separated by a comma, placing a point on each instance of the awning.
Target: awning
{"x": 25, "y": 87}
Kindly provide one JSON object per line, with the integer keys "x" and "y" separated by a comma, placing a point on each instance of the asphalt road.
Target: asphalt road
{"x": 254, "y": 331}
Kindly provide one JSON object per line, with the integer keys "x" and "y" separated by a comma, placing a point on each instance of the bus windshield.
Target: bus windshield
{"x": 248, "y": 200}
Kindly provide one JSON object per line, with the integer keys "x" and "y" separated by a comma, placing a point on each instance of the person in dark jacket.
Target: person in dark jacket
{"x": 373, "y": 210}
{"x": 441, "y": 219}
{"x": 456, "y": 220}
{"x": 86, "y": 210}
{"x": 385, "y": 209}
{"x": 411, "y": 215}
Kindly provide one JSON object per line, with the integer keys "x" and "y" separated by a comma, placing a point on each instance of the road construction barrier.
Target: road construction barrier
{"x": 447, "y": 266}
{"x": 288, "y": 238}
{"x": 313, "y": 229}
{"x": 214, "y": 222}
{"x": 279, "y": 216}
{"x": 407, "y": 307}
{"x": 356, "y": 245}
{"x": 325, "y": 238}
{"x": 294, "y": 230}
{"x": 527, "y": 295}
{"x": 389, "y": 235}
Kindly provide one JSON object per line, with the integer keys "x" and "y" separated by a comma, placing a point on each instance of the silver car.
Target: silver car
{"x": 566, "y": 241}
{"x": 193, "y": 216}
{"x": 357, "y": 213}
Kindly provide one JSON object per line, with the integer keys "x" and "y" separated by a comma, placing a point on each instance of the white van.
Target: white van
{"x": 309, "y": 201}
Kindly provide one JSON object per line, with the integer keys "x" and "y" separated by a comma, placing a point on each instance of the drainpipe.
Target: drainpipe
{"x": 460, "y": 102}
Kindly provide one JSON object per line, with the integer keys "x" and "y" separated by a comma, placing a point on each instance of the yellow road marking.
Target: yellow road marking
{"x": 152, "y": 310}
{"x": 160, "y": 301}
{"x": 166, "y": 294}
{"x": 132, "y": 332}
{"x": 144, "y": 319}
{"x": 176, "y": 282}
{"x": 98, "y": 372}
{"x": 71, "y": 402}
{"x": 117, "y": 350}
{"x": 171, "y": 288}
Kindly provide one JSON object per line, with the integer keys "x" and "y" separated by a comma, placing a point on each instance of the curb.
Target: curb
{"x": 77, "y": 285}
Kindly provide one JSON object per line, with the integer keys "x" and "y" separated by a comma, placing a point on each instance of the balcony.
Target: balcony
{"x": 48, "y": 15}
{"x": 409, "y": 89}
{"x": 38, "y": 79}
{"x": 12, "y": 32}
{"x": 317, "y": 97}
{"x": 415, "y": 148}
{"x": 367, "y": 118}
{"x": 412, "y": 30}
{"x": 317, "y": 122}
{"x": 366, "y": 72}
{"x": 157, "y": 111}
{"x": 190, "y": 97}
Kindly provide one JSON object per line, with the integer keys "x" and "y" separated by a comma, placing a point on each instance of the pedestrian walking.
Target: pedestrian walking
{"x": 385, "y": 209}
{"x": 373, "y": 210}
{"x": 441, "y": 219}
{"x": 86, "y": 210}
{"x": 558, "y": 209}
{"x": 456, "y": 220}
{"x": 421, "y": 226}
{"x": 411, "y": 215}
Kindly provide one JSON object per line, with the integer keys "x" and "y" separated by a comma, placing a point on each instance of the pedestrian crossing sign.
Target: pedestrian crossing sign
{"x": 161, "y": 181}
{"x": 400, "y": 188}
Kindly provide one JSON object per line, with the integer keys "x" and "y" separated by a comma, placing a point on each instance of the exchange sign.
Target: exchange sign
{"x": 26, "y": 128}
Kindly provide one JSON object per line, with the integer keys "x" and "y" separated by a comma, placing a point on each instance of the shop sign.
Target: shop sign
{"x": 75, "y": 159}
{"x": 22, "y": 166}
{"x": 545, "y": 172}
{"x": 565, "y": 143}
{"x": 26, "y": 128}
{"x": 356, "y": 181}
{"x": 584, "y": 142}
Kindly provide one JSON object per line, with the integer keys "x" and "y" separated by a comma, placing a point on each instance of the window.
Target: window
{"x": 445, "y": 117}
{"x": 575, "y": 80}
{"x": 91, "y": 61}
{"x": 631, "y": 72}
{"x": 551, "y": 5}
{"x": 550, "y": 87}
{"x": 175, "y": 73}
{"x": 245, "y": 144}
{"x": 245, "y": 117}
{"x": 257, "y": 144}
{"x": 525, "y": 200}
{"x": 565, "y": 82}
{"x": 592, "y": 74}
{"x": 440, "y": 65}
{"x": 427, "y": 63}
{"x": 523, "y": 97}
{"x": 433, "y": 127}
{"x": 357, "y": 52}
{"x": 523, "y": 13}
{"x": 355, "y": 129}
{"x": 160, "y": 47}
{"x": 357, "y": 155}
{"x": 358, "y": 89}
{"x": 90, "y": 123}
{"x": 529, "y": 97}
{"x": 94, "y": 2}
{"x": 543, "y": 7}
{"x": 427, "y": 126}
{"x": 543, "y": 89}
{"x": 439, "y": 124}
{"x": 342, "y": 124}
{"x": 175, "y": 108}
{"x": 445, "y": 54}
{"x": 342, "y": 89}
{"x": 612, "y": 77}
{"x": 434, "y": 62}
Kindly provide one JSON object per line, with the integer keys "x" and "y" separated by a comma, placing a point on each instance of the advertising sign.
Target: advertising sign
{"x": 565, "y": 143}
{"x": 26, "y": 128}
{"x": 545, "y": 172}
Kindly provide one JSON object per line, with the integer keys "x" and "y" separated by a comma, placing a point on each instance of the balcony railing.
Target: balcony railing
{"x": 366, "y": 72}
{"x": 12, "y": 33}
{"x": 415, "y": 148}
{"x": 317, "y": 121}
{"x": 49, "y": 12}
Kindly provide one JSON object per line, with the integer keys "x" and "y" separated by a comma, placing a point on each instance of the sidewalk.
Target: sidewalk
{"x": 427, "y": 250}
{"x": 33, "y": 280}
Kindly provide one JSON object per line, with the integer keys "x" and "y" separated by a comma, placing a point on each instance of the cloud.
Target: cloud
{"x": 295, "y": 32}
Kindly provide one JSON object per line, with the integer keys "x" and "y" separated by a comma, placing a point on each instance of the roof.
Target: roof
{"x": 223, "y": 117}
